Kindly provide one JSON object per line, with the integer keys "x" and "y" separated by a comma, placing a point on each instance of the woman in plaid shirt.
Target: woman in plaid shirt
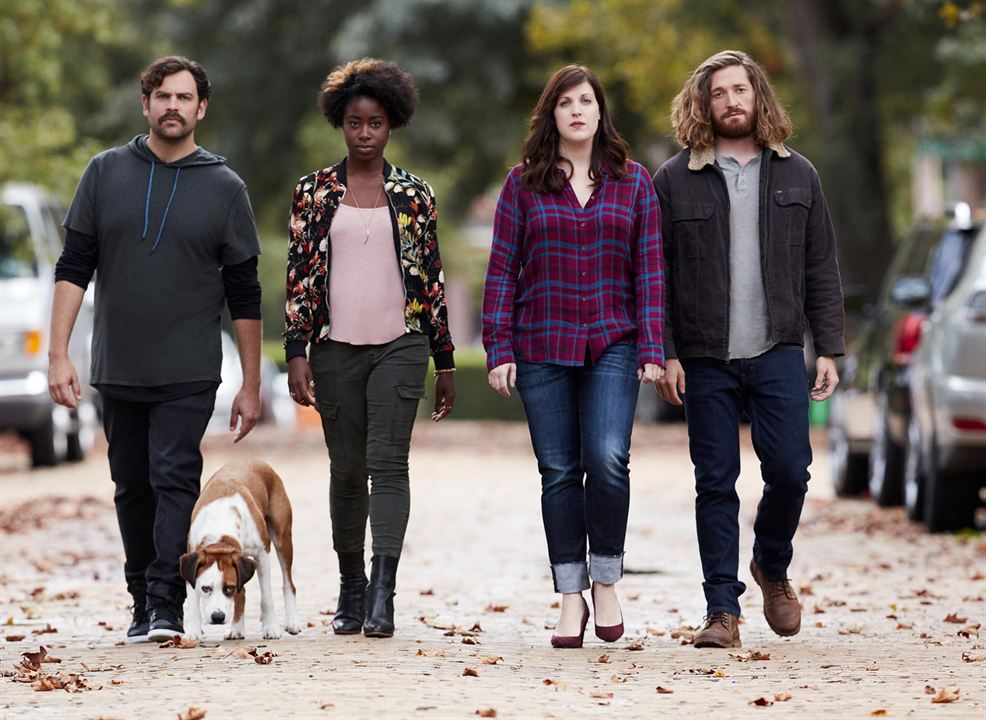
{"x": 573, "y": 312}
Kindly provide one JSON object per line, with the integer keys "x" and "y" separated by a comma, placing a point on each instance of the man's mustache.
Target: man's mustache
{"x": 172, "y": 116}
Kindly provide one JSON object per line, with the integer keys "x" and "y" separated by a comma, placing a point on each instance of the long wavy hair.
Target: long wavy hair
{"x": 540, "y": 156}
{"x": 691, "y": 110}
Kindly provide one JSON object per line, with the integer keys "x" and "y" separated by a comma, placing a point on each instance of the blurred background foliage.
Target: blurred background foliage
{"x": 865, "y": 82}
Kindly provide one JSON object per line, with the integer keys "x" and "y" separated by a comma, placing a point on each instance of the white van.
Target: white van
{"x": 31, "y": 238}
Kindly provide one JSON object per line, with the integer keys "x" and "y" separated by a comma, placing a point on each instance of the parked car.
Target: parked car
{"x": 945, "y": 465}
{"x": 30, "y": 243}
{"x": 871, "y": 409}
{"x": 232, "y": 379}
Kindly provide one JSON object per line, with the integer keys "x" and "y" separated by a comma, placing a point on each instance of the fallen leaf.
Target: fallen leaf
{"x": 969, "y": 657}
{"x": 556, "y": 684}
{"x": 664, "y": 690}
{"x": 970, "y": 630}
{"x": 184, "y": 643}
{"x": 655, "y": 632}
{"x": 902, "y": 626}
{"x": 430, "y": 653}
{"x": 33, "y": 660}
{"x": 492, "y": 659}
{"x": 265, "y": 658}
{"x": 193, "y": 713}
{"x": 954, "y": 618}
{"x": 879, "y": 713}
{"x": 470, "y": 672}
{"x": 602, "y": 659}
{"x": 619, "y": 679}
{"x": 496, "y": 608}
{"x": 46, "y": 630}
{"x": 719, "y": 673}
{"x": 14, "y": 638}
{"x": 872, "y": 666}
{"x": 760, "y": 702}
{"x": 429, "y": 591}
{"x": 601, "y": 695}
{"x": 486, "y": 712}
{"x": 946, "y": 696}
{"x": 470, "y": 641}
{"x": 326, "y": 705}
{"x": 242, "y": 652}
{"x": 635, "y": 646}
{"x": 781, "y": 697}
{"x": 752, "y": 655}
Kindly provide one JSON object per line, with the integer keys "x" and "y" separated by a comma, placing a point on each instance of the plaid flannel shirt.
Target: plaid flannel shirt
{"x": 563, "y": 279}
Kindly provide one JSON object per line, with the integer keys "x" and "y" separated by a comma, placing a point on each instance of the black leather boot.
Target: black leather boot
{"x": 380, "y": 598}
{"x": 349, "y": 615}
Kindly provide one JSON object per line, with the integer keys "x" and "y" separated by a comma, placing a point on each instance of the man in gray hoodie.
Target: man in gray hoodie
{"x": 171, "y": 231}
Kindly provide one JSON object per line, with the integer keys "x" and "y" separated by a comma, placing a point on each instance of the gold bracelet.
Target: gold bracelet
{"x": 446, "y": 371}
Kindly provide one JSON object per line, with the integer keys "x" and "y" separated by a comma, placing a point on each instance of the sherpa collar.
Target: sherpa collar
{"x": 707, "y": 156}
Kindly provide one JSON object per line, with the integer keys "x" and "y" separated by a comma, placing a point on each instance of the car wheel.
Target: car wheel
{"x": 949, "y": 499}
{"x": 886, "y": 465}
{"x": 913, "y": 473}
{"x": 42, "y": 440}
{"x": 81, "y": 440}
{"x": 849, "y": 470}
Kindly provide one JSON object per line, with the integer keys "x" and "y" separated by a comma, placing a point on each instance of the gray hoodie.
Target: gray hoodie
{"x": 163, "y": 231}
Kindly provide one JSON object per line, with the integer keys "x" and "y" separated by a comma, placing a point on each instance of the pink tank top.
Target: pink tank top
{"x": 366, "y": 288}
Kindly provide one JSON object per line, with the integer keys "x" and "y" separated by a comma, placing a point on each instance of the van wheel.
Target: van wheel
{"x": 950, "y": 499}
{"x": 886, "y": 462}
{"x": 42, "y": 441}
{"x": 848, "y": 469}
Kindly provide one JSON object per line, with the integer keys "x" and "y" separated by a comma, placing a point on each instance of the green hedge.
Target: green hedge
{"x": 474, "y": 398}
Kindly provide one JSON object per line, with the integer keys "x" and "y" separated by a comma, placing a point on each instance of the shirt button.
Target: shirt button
{"x": 584, "y": 273}
{"x": 582, "y": 224}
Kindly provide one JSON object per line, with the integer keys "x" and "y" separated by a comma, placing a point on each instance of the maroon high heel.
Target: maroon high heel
{"x": 611, "y": 633}
{"x": 573, "y": 641}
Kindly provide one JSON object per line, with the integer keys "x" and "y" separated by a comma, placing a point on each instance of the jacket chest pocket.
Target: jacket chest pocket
{"x": 692, "y": 226}
{"x": 792, "y": 207}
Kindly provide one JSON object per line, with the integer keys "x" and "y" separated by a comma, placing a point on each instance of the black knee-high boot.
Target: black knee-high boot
{"x": 352, "y": 594}
{"x": 380, "y": 598}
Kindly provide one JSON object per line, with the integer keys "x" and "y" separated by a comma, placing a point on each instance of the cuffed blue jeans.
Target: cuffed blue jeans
{"x": 580, "y": 419}
{"x": 773, "y": 389}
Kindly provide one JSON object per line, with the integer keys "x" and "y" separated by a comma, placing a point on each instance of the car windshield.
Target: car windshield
{"x": 947, "y": 263}
{"x": 17, "y": 258}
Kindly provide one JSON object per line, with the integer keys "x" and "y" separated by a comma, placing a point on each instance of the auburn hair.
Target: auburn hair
{"x": 540, "y": 156}
{"x": 691, "y": 110}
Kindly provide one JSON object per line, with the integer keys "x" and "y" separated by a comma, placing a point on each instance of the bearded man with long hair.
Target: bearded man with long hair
{"x": 751, "y": 265}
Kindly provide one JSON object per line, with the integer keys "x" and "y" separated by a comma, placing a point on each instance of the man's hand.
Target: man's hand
{"x": 246, "y": 409}
{"x": 650, "y": 373}
{"x": 503, "y": 377}
{"x": 444, "y": 396}
{"x": 63, "y": 382}
{"x": 826, "y": 379}
{"x": 672, "y": 386}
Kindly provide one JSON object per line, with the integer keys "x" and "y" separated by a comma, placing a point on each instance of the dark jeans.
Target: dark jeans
{"x": 368, "y": 396}
{"x": 156, "y": 466}
{"x": 580, "y": 420}
{"x": 773, "y": 389}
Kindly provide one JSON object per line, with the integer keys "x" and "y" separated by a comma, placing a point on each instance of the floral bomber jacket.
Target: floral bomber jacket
{"x": 414, "y": 218}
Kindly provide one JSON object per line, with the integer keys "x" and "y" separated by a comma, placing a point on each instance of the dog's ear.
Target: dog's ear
{"x": 245, "y": 567}
{"x": 189, "y": 566}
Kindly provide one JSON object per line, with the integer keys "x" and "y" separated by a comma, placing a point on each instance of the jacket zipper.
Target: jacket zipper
{"x": 729, "y": 279}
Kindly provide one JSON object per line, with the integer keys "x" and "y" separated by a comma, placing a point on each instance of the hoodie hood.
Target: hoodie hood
{"x": 198, "y": 157}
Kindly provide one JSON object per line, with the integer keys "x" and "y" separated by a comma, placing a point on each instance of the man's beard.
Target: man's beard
{"x": 733, "y": 130}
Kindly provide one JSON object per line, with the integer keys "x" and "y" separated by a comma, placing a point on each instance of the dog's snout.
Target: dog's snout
{"x": 218, "y": 617}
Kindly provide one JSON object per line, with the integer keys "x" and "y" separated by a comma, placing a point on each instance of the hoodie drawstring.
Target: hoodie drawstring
{"x": 147, "y": 205}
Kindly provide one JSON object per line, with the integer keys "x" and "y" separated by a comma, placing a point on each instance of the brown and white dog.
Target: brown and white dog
{"x": 241, "y": 510}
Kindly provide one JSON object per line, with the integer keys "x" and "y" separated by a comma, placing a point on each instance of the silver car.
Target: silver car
{"x": 945, "y": 465}
{"x": 30, "y": 243}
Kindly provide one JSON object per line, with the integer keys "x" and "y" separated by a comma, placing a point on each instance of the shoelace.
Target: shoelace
{"x": 777, "y": 588}
{"x": 720, "y": 617}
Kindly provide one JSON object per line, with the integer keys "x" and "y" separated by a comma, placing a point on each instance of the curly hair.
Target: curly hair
{"x": 691, "y": 110}
{"x": 386, "y": 82}
{"x": 155, "y": 73}
{"x": 540, "y": 155}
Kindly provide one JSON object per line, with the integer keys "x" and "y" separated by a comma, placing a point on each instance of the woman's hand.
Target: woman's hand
{"x": 650, "y": 373}
{"x": 444, "y": 396}
{"x": 301, "y": 385}
{"x": 503, "y": 377}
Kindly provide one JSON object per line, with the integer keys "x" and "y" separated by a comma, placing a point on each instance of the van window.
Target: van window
{"x": 17, "y": 258}
{"x": 948, "y": 263}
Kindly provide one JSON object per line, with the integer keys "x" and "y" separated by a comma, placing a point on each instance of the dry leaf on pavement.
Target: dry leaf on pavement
{"x": 946, "y": 696}
{"x": 492, "y": 659}
{"x": 179, "y": 642}
{"x": 781, "y": 697}
{"x": 955, "y": 618}
{"x": 242, "y": 652}
{"x": 635, "y": 646}
{"x": 556, "y": 684}
{"x": 193, "y": 713}
{"x": 33, "y": 660}
{"x": 428, "y": 652}
{"x": 969, "y": 657}
{"x": 486, "y": 712}
{"x": 601, "y": 695}
{"x": 879, "y": 713}
{"x": 496, "y": 608}
{"x": 14, "y": 638}
{"x": 470, "y": 672}
{"x": 760, "y": 702}
{"x": 602, "y": 659}
{"x": 970, "y": 630}
{"x": 928, "y": 690}
{"x": 664, "y": 690}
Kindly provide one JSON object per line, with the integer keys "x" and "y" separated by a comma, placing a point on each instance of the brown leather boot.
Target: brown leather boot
{"x": 780, "y": 603}
{"x": 721, "y": 630}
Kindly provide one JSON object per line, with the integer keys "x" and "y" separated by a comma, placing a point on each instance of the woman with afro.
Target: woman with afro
{"x": 366, "y": 304}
